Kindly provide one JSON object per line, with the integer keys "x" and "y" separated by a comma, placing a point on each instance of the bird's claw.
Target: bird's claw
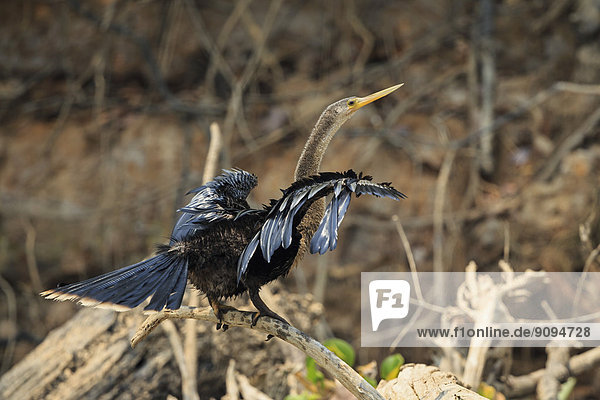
{"x": 255, "y": 317}
{"x": 221, "y": 325}
{"x": 220, "y": 310}
{"x": 263, "y": 310}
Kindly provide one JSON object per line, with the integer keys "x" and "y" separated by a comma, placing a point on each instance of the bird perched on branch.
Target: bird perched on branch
{"x": 226, "y": 248}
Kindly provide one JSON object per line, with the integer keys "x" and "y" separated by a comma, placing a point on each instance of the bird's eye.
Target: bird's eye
{"x": 351, "y": 102}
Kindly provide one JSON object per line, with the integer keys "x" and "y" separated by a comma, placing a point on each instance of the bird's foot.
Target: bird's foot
{"x": 263, "y": 311}
{"x": 219, "y": 310}
{"x": 267, "y": 313}
{"x": 222, "y": 326}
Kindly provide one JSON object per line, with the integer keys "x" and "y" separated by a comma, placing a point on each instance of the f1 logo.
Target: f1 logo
{"x": 389, "y": 299}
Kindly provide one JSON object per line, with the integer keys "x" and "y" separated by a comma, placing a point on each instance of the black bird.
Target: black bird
{"x": 226, "y": 248}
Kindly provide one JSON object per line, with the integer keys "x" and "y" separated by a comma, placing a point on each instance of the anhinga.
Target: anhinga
{"x": 226, "y": 248}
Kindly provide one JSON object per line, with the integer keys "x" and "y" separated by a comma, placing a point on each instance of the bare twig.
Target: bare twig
{"x": 237, "y": 85}
{"x": 214, "y": 149}
{"x": 585, "y": 229}
{"x": 592, "y": 257}
{"x": 438, "y": 210}
{"x": 506, "y": 251}
{"x": 522, "y": 385}
{"x": 367, "y": 37}
{"x": 146, "y": 51}
{"x": 557, "y": 9}
{"x": 188, "y": 383}
{"x": 488, "y": 79}
{"x": 234, "y": 109}
{"x": 73, "y": 87}
{"x": 32, "y": 267}
{"x": 217, "y": 63}
{"x": 409, "y": 254}
{"x": 248, "y": 391}
{"x": 594, "y": 254}
{"x": 420, "y": 46}
{"x": 481, "y": 300}
{"x": 25, "y": 205}
{"x": 571, "y": 141}
{"x": 166, "y": 49}
{"x": 415, "y": 278}
{"x": 322, "y": 330}
{"x": 11, "y": 304}
{"x": 99, "y": 67}
{"x": 425, "y": 221}
{"x": 320, "y": 286}
{"x": 256, "y": 58}
{"x": 534, "y": 101}
{"x": 549, "y": 385}
{"x": 187, "y": 133}
{"x": 215, "y": 54}
{"x": 485, "y": 299}
{"x": 579, "y": 88}
{"x": 191, "y": 354}
{"x": 269, "y": 59}
{"x": 325, "y": 358}
{"x": 432, "y": 87}
{"x": 233, "y": 390}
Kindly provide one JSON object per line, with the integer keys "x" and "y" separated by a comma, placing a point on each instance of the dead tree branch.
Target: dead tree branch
{"x": 522, "y": 385}
{"x": 424, "y": 382}
{"x": 325, "y": 358}
{"x": 549, "y": 385}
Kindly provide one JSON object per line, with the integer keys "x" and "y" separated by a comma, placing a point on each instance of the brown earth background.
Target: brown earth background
{"x": 105, "y": 109}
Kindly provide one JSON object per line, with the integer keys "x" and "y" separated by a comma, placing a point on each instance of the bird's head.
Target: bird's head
{"x": 343, "y": 109}
{"x": 327, "y": 125}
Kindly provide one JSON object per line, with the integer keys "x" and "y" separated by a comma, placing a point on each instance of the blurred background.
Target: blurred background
{"x": 105, "y": 107}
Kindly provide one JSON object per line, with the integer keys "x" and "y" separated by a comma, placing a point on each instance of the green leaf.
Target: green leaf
{"x": 487, "y": 391}
{"x": 390, "y": 366}
{"x": 294, "y": 397}
{"x": 303, "y": 396}
{"x": 342, "y": 349}
{"x": 312, "y": 373}
{"x": 566, "y": 388}
{"x": 371, "y": 381}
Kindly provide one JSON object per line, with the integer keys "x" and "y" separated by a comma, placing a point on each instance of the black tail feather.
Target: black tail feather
{"x": 175, "y": 299}
{"x": 165, "y": 288}
{"x": 163, "y": 277}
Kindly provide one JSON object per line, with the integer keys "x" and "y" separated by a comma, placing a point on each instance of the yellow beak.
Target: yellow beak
{"x": 363, "y": 101}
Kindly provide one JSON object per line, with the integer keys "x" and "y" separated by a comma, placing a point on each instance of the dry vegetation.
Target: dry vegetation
{"x": 105, "y": 111}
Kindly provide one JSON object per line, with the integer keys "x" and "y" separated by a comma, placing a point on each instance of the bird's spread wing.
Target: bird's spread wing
{"x": 325, "y": 238}
{"x": 285, "y": 213}
{"x": 221, "y": 199}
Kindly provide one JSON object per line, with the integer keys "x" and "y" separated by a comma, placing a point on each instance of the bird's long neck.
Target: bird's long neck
{"x": 309, "y": 164}
{"x": 316, "y": 145}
